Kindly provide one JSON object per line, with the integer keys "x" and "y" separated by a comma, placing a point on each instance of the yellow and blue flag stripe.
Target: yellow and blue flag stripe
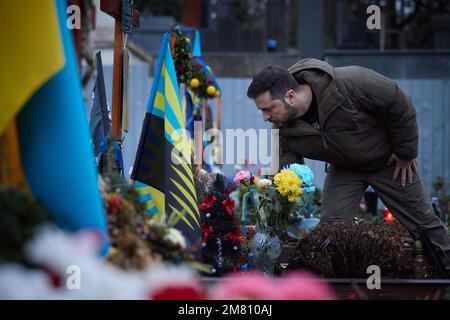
{"x": 169, "y": 183}
{"x": 41, "y": 86}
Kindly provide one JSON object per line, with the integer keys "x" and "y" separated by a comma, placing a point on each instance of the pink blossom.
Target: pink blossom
{"x": 248, "y": 286}
{"x": 256, "y": 286}
{"x": 241, "y": 175}
{"x": 304, "y": 286}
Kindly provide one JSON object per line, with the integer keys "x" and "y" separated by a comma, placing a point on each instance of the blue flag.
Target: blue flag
{"x": 198, "y": 60}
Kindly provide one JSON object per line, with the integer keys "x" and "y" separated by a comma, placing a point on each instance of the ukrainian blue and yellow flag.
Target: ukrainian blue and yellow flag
{"x": 40, "y": 87}
{"x": 198, "y": 60}
{"x": 32, "y": 52}
{"x": 163, "y": 165}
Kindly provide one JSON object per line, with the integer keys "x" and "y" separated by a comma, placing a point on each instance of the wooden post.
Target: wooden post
{"x": 199, "y": 134}
{"x": 77, "y": 33}
{"x": 116, "y": 109}
{"x": 219, "y": 112}
{"x": 114, "y": 9}
{"x": 207, "y": 115}
{"x": 11, "y": 172}
{"x": 192, "y": 13}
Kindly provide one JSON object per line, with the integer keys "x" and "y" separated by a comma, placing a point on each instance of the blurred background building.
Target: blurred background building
{"x": 296, "y": 27}
{"x": 239, "y": 37}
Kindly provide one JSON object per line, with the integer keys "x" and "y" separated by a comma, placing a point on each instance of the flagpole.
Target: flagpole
{"x": 219, "y": 126}
{"x": 200, "y": 136}
{"x": 116, "y": 109}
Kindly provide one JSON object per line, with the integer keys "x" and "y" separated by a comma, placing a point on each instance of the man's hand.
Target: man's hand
{"x": 404, "y": 168}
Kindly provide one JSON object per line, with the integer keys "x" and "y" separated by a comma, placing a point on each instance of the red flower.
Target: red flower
{"x": 197, "y": 65}
{"x": 207, "y": 202}
{"x": 180, "y": 69}
{"x": 55, "y": 279}
{"x": 178, "y": 293}
{"x": 352, "y": 296}
{"x": 228, "y": 191}
{"x": 229, "y": 205}
{"x": 234, "y": 236}
{"x": 206, "y": 231}
{"x": 115, "y": 204}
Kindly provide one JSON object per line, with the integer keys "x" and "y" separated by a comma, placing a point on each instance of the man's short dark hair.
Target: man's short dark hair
{"x": 274, "y": 79}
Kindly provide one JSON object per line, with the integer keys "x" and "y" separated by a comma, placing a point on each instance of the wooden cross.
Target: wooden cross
{"x": 114, "y": 9}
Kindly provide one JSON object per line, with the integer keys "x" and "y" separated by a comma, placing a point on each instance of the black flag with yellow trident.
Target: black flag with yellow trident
{"x": 163, "y": 169}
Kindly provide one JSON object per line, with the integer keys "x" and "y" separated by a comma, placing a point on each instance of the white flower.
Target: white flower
{"x": 175, "y": 237}
{"x": 57, "y": 251}
{"x": 54, "y": 250}
{"x": 262, "y": 183}
{"x": 18, "y": 282}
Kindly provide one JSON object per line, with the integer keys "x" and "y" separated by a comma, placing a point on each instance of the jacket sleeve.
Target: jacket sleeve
{"x": 382, "y": 96}
{"x": 287, "y": 157}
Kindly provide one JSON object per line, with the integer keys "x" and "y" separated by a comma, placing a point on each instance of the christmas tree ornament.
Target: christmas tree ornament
{"x": 211, "y": 90}
{"x": 195, "y": 83}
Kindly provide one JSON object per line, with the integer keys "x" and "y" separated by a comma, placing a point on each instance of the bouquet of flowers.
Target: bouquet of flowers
{"x": 244, "y": 180}
{"x": 304, "y": 216}
{"x": 281, "y": 199}
{"x": 247, "y": 193}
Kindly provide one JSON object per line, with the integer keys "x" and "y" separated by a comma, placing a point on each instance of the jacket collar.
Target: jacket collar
{"x": 311, "y": 63}
{"x": 320, "y": 76}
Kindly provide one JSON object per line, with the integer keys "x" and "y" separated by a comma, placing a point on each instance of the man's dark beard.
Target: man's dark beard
{"x": 291, "y": 112}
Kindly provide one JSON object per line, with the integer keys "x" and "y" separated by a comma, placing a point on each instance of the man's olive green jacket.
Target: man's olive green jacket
{"x": 364, "y": 117}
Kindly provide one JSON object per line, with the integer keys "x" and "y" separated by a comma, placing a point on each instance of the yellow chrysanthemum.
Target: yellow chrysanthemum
{"x": 288, "y": 184}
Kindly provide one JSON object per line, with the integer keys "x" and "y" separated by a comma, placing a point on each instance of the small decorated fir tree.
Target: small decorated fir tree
{"x": 222, "y": 241}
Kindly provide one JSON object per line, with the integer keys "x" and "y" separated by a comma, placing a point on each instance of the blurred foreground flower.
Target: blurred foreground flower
{"x": 56, "y": 253}
{"x": 256, "y": 286}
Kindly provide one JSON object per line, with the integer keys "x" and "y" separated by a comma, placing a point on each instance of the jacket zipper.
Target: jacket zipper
{"x": 324, "y": 142}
